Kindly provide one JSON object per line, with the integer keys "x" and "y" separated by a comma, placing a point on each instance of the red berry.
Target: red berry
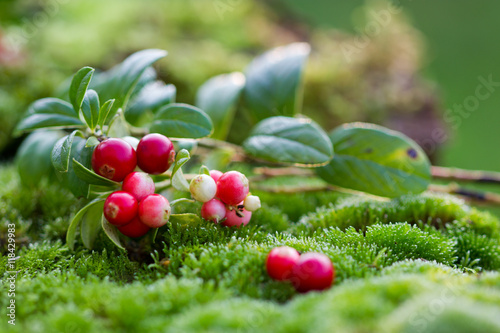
{"x": 233, "y": 217}
{"x": 155, "y": 153}
{"x": 134, "y": 229}
{"x": 154, "y": 210}
{"x": 280, "y": 262}
{"x": 215, "y": 174}
{"x": 114, "y": 159}
{"x": 313, "y": 271}
{"x": 120, "y": 208}
{"x": 139, "y": 184}
{"x": 232, "y": 187}
{"x": 213, "y": 210}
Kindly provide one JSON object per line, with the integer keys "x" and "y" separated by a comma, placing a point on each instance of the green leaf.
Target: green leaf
{"x": 92, "y": 142}
{"x": 204, "y": 170}
{"x": 218, "y": 98}
{"x": 289, "y": 140}
{"x": 273, "y": 81}
{"x": 104, "y": 112}
{"x": 83, "y": 155}
{"x": 75, "y": 222}
{"x": 91, "y": 224}
{"x": 181, "y": 121}
{"x": 376, "y": 160}
{"x": 112, "y": 232}
{"x": 147, "y": 102}
{"x": 79, "y": 86}
{"x": 179, "y": 182}
{"x": 91, "y": 177}
{"x": 90, "y": 108}
{"x": 62, "y": 151}
{"x": 49, "y": 112}
{"x": 185, "y": 219}
{"x": 33, "y": 158}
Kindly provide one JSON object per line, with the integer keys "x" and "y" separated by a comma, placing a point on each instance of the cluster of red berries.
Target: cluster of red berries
{"x": 306, "y": 272}
{"x": 225, "y": 196}
{"x": 136, "y": 208}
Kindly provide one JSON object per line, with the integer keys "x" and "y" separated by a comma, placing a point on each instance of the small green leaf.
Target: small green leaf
{"x": 90, "y": 108}
{"x": 75, "y": 222}
{"x": 185, "y": 219}
{"x": 79, "y": 86}
{"x": 62, "y": 151}
{"x": 204, "y": 170}
{"x": 181, "y": 121}
{"x": 49, "y": 112}
{"x": 218, "y": 98}
{"x": 91, "y": 177}
{"x": 179, "y": 182}
{"x": 376, "y": 160}
{"x": 83, "y": 155}
{"x": 92, "y": 142}
{"x": 91, "y": 224}
{"x": 273, "y": 81}
{"x": 112, "y": 232}
{"x": 104, "y": 112}
{"x": 289, "y": 140}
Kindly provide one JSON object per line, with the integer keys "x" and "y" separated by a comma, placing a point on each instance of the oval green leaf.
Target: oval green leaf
{"x": 112, "y": 232}
{"x": 75, "y": 222}
{"x": 376, "y": 160}
{"x": 79, "y": 86}
{"x": 90, "y": 108}
{"x": 91, "y": 177}
{"x": 91, "y": 224}
{"x": 182, "y": 121}
{"x": 298, "y": 141}
{"x": 62, "y": 150}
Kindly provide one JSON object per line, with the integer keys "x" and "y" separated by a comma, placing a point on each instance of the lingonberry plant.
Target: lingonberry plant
{"x": 124, "y": 125}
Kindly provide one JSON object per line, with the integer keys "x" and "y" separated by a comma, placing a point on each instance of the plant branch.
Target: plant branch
{"x": 479, "y": 197}
{"x": 465, "y": 175}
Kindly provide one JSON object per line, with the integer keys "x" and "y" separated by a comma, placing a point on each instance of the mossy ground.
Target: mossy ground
{"x": 418, "y": 263}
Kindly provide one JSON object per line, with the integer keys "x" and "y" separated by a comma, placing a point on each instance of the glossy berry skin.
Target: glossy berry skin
{"x": 281, "y": 261}
{"x": 252, "y": 203}
{"x": 232, "y": 218}
{"x": 154, "y": 211}
{"x": 134, "y": 229}
{"x": 232, "y": 187}
{"x": 313, "y": 271}
{"x": 155, "y": 153}
{"x": 203, "y": 188}
{"x": 120, "y": 208}
{"x": 139, "y": 184}
{"x": 114, "y": 159}
{"x": 213, "y": 210}
{"x": 215, "y": 174}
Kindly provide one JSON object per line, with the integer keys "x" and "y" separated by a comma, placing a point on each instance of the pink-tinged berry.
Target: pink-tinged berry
{"x": 280, "y": 262}
{"x": 155, "y": 153}
{"x": 114, "y": 159}
{"x": 213, "y": 210}
{"x": 154, "y": 211}
{"x": 139, "y": 184}
{"x": 232, "y": 187}
{"x": 252, "y": 203}
{"x": 215, "y": 174}
{"x": 237, "y": 217}
{"x": 134, "y": 229}
{"x": 120, "y": 208}
{"x": 203, "y": 188}
{"x": 313, "y": 271}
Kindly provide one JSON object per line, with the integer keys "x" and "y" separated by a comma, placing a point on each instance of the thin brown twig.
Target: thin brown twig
{"x": 463, "y": 175}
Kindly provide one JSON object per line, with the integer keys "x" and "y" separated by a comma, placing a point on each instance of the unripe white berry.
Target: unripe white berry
{"x": 203, "y": 188}
{"x": 252, "y": 203}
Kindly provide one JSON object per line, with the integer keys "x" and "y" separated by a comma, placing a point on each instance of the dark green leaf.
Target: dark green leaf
{"x": 105, "y": 111}
{"x": 33, "y": 157}
{"x": 152, "y": 97}
{"x": 376, "y": 160}
{"x": 75, "y": 222}
{"x": 90, "y": 108}
{"x": 91, "y": 177}
{"x": 62, "y": 151}
{"x": 273, "y": 81}
{"x": 112, "y": 232}
{"x": 182, "y": 121}
{"x": 218, "y": 98}
{"x": 79, "y": 86}
{"x": 91, "y": 224}
{"x": 49, "y": 112}
{"x": 289, "y": 140}
{"x": 83, "y": 155}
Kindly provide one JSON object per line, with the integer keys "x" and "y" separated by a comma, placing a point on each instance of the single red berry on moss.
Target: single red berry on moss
{"x": 114, "y": 159}
{"x": 154, "y": 211}
{"x": 232, "y": 187}
{"x": 134, "y": 229}
{"x": 281, "y": 261}
{"x": 313, "y": 271}
{"x": 213, "y": 210}
{"x": 120, "y": 208}
{"x": 215, "y": 174}
{"x": 139, "y": 184}
{"x": 155, "y": 153}
{"x": 237, "y": 217}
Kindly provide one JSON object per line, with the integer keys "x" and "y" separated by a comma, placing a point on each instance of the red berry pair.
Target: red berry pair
{"x": 115, "y": 158}
{"x": 309, "y": 271}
